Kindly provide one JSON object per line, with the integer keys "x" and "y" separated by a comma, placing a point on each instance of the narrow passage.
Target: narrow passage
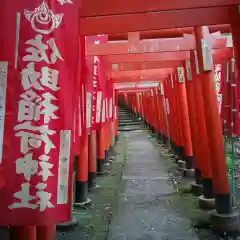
{"x": 145, "y": 209}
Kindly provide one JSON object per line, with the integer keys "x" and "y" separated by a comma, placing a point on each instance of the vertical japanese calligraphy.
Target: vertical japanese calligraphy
{"x": 95, "y": 64}
{"x": 37, "y": 108}
{"x": 37, "y": 98}
{"x": 218, "y": 85}
{"x": 63, "y": 169}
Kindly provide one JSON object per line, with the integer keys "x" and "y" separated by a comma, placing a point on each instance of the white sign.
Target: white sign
{"x": 63, "y": 168}
{"x": 98, "y": 110}
{"x": 161, "y": 89}
{"x": 3, "y": 89}
{"x": 188, "y": 68}
{"x": 110, "y": 108}
{"x": 207, "y": 55}
{"x": 181, "y": 77}
{"x": 167, "y": 106}
{"x": 103, "y": 111}
{"x": 89, "y": 110}
{"x": 196, "y": 62}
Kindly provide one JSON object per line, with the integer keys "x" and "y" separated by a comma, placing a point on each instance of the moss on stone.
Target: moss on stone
{"x": 182, "y": 200}
{"x": 95, "y": 219}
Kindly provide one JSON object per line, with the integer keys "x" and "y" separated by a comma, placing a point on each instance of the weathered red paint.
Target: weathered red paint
{"x": 154, "y": 20}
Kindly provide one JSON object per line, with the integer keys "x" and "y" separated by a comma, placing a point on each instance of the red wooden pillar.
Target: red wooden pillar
{"x": 81, "y": 187}
{"x": 154, "y": 112}
{"x": 192, "y": 119}
{"x": 82, "y": 173}
{"x": 151, "y": 104}
{"x": 135, "y": 103}
{"x": 235, "y": 18}
{"x": 138, "y": 103}
{"x": 173, "y": 114}
{"x": 142, "y": 106}
{"x": 148, "y": 108}
{"x": 145, "y": 108}
{"x": 105, "y": 140}
{"x": 164, "y": 112}
{"x": 23, "y": 233}
{"x": 183, "y": 107}
{"x": 160, "y": 113}
{"x": 92, "y": 155}
{"x": 116, "y": 120}
{"x": 213, "y": 123}
{"x": 203, "y": 153}
{"x": 46, "y": 232}
{"x": 180, "y": 144}
{"x": 100, "y": 150}
{"x": 108, "y": 140}
{"x": 169, "y": 110}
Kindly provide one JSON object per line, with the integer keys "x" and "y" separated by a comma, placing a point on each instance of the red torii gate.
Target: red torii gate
{"x": 123, "y": 16}
{"x": 108, "y": 17}
{"x": 169, "y": 33}
{"x": 154, "y": 72}
{"x": 120, "y": 16}
{"x": 186, "y": 43}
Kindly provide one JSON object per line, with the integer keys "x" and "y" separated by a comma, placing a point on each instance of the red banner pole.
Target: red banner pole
{"x": 23, "y": 233}
{"x": 92, "y": 154}
{"x": 46, "y": 232}
{"x": 81, "y": 188}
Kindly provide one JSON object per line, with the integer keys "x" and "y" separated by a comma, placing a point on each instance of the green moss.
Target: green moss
{"x": 95, "y": 219}
{"x": 105, "y": 201}
{"x": 183, "y": 200}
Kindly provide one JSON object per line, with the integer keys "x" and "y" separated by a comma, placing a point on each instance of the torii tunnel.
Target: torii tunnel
{"x": 119, "y": 119}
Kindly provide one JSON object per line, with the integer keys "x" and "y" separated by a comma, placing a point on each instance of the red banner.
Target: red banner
{"x": 228, "y": 96}
{"x": 79, "y": 120}
{"x": 95, "y": 66}
{"x": 109, "y": 100}
{"x": 38, "y": 77}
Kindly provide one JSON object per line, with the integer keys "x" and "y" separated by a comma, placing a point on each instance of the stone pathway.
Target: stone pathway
{"x": 145, "y": 210}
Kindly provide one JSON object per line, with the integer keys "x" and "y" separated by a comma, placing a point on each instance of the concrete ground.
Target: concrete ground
{"x": 145, "y": 209}
{"x": 143, "y": 197}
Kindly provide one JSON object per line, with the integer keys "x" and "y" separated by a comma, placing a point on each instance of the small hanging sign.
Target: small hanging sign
{"x": 196, "y": 62}
{"x": 180, "y": 71}
{"x": 161, "y": 89}
{"x": 188, "y": 69}
{"x": 207, "y": 55}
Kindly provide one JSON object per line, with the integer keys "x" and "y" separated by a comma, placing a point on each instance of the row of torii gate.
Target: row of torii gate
{"x": 170, "y": 82}
{"x": 160, "y": 58}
